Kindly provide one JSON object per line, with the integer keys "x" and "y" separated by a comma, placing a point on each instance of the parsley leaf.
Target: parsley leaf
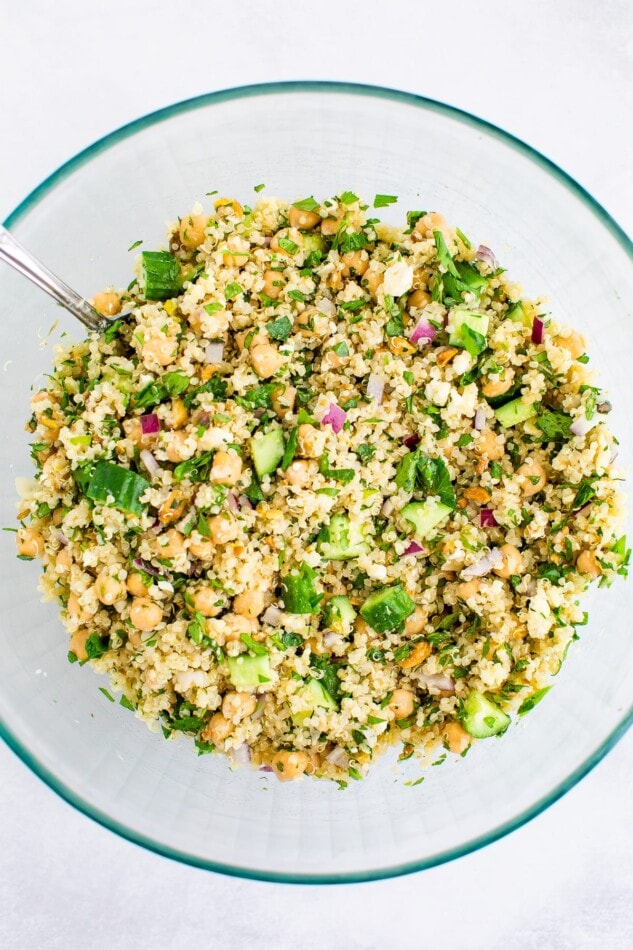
{"x": 306, "y": 204}
{"x": 280, "y": 329}
{"x": 553, "y": 425}
{"x": 343, "y": 475}
{"x": 381, "y": 201}
{"x": 232, "y": 290}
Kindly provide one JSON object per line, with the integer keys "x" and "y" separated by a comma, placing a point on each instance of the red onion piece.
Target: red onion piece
{"x": 272, "y": 616}
{"x": 375, "y": 387}
{"x": 214, "y": 353}
{"x": 232, "y": 502}
{"x": 338, "y": 758}
{"x": 259, "y": 709}
{"x": 479, "y": 419}
{"x": 437, "y": 681}
{"x": 387, "y": 507}
{"x": 145, "y": 566}
{"x": 487, "y": 518}
{"x": 150, "y": 463}
{"x": 484, "y": 253}
{"x": 413, "y": 548}
{"x": 581, "y": 426}
{"x": 150, "y": 424}
{"x": 538, "y": 328}
{"x": 245, "y": 502}
{"x": 335, "y": 417}
{"x": 411, "y": 440}
{"x": 241, "y": 755}
{"x": 584, "y": 509}
{"x": 484, "y": 565}
{"x": 61, "y": 537}
{"x": 266, "y": 768}
{"x": 423, "y": 332}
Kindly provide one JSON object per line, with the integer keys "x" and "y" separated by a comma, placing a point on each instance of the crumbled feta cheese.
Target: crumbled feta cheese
{"x": 398, "y": 279}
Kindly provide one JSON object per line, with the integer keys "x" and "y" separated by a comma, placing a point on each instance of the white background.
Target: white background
{"x": 557, "y": 73}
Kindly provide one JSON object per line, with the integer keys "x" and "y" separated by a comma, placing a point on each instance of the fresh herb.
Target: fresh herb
{"x": 106, "y": 693}
{"x": 125, "y": 702}
{"x": 464, "y": 440}
{"x": 175, "y": 383}
{"x": 533, "y": 700}
{"x": 232, "y": 290}
{"x": 195, "y": 469}
{"x": 135, "y": 244}
{"x": 280, "y": 329}
{"x": 382, "y": 201}
{"x": 212, "y": 308}
{"x": 291, "y": 448}
{"x": 256, "y": 649}
{"x": 418, "y": 472}
{"x": 553, "y": 425}
{"x": 260, "y": 397}
{"x": 348, "y": 198}
{"x": 365, "y": 452}
{"x": 474, "y": 342}
{"x": 259, "y": 188}
{"x": 96, "y": 646}
{"x": 287, "y": 245}
{"x": 306, "y": 204}
{"x": 287, "y": 641}
{"x": 150, "y": 395}
{"x": 111, "y": 331}
{"x": 585, "y": 492}
{"x": 112, "y": 484}
{"x": 298, "y": 591}
{"x": 376, "y": 655}
{"x": 216, "y": 387}
{"x": 351, "y": 306}
{"x": 344, "y": 475}
{"x": 413, "y": 217}
{"x": 327, "y": 674}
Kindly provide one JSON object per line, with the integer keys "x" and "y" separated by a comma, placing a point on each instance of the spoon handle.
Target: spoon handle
{"x": 12, "y": 252}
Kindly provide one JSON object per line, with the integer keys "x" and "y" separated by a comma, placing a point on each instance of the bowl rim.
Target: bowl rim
{"x": 605, "y": 219}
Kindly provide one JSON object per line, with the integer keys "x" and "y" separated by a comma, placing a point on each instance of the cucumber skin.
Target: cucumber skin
{"x": 476, "y": 709}
{"x": 244, "y": 671}
{"x": 416, "y": 511}
{"x": 384, "y": 620}
{"x": 513, "y": 413}
{"x": 267, "y": 451}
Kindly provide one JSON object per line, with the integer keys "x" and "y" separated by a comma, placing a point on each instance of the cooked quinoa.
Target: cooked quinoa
{"x": 332, "y": 485}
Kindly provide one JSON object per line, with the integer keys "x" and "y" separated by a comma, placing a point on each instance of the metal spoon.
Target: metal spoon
{"x": 12, "y": 252}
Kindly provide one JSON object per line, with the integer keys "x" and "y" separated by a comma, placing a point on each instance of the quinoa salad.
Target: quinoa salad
{"x": 328, "y": 486}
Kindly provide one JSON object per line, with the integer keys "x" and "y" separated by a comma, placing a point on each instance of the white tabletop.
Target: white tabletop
{"x": 556, "y": 73}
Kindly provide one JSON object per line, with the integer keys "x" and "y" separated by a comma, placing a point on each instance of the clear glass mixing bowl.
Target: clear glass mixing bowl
{"x": 300, "y": 139}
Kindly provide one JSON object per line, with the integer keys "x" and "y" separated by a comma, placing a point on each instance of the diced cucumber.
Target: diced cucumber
{"x": 342, "y": 539}
{"x": 317, "y": 696}
{"x": 313, "y": 241}
{"x": 425, "y": 515}
{"x": 518, "y": 314}
{"x": 267, "y": 451}
{"x": 387, "y": 608}
{"x": 514, "y": 412}
{"x": 460, "y": 317}
{"x": 108, "y": 480}
{"x": 298, "y": 591}
{"x": 246, "y": 671}
{"x": 339, "y": 615}
{"x": 482, "y": 718}
{"x": 160, "y": 275}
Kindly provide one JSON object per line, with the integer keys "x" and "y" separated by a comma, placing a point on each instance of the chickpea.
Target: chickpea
{"x": 226, "y": 206}
{"x": 42, "y": 399}
{"x": 306, "y": 220}
{"x": 266, "y": 360}
{"x": 234, "y": 625}
{"x": 63, "y": 561}
{"x": 169, "y": 544}
{"x": 373, "y": 280}
{"x": 145, "y": 614}
{"x": 401, "y": 703}
{"x": 421, "y": 651}
{"x": 313, "y": 322}
{"x": 289, "y": 765}
{"x": 415, "y": 622}
{"x": 217, "y": 729}
{"x": 226, "y": 468}
{"x": 172, "y": 508}
{"x": 456, "y": 737}
{"x": 532, "y": 477}
{"x": 223, "y": 528}
{"x": 192, "y": 230}
{"x": 468, "y": 588}
{"x": 330, "y": 226}
{"x": 135, "y": 584}
{"x": 587, "y": 563}
{"x": 498, "y": 384}
{"x": 574, "y": 344}
{"x": 178, "y": 415}
{"x": 178, "y": 448}
{"x": 254, "y": 337}
{"x": 108, "y": 303}
{"x": 283, "y": 400}
{"x": 30, "y": 543}
{"x": 250, "y": 603}
{"x": 108, "y": 589}
{"x": 241, "y": 247}
{"x": 512, "y": 562}
{"x": 77, "y": 644}
{"x": 289, "y": 234}
{"x": 202, "y": 548}
{"x": 310, "y": 441}
{"x": 355, "y": 263}
{"x": 428, "y": 223}
{"x": 274, "y": 283}
{"x": 206, "y": 601}
{"x": 161, "y": 350}
{"x": 419, "y": 299}
{"x": 77, "y": 610}
{"x": 488, "y": 445}
{"x": 237, "y": 706}
{"x": 300, "y": 473}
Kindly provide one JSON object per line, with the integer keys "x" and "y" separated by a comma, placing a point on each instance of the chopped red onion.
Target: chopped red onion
{"x": 245, "y": 502}
{"x": 259, "y": 709}
{"x": 214, "y": 353}
{"x": 232, "y": 502}
{"x": 423, "y": 332}
{"x": 581, "y": 426}
{"x": 487, "y": 518}
{"x": 411, "y": 440}
{"x": 584, "y": 509}
{"x": 150, "y": 463}
{"x": 272, "y": 616}
{"x": 145, "y": 566}
{"x": 266, "y": 768}
{"x": 150, "y": 424}
{"x": 241, "y": 755}
{"x": 484, "y": 253}
{"x": 484, "y": 565}
{"x": 437, "y": 681}
{"x": 479, "y": 419}
{"x": 203, "y": 419}
{"x": 387, "y": 507}
{"x": 338, "y": 758}
{"x": 375, "y": 387}
{"x": 538, "y": 328}
{"x": 335, "y": 417}
{"x": 61, "y": 537}
{"x": 413, "y": 548}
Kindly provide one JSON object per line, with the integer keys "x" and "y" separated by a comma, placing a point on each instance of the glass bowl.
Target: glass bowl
{"x": 301, "y": 139}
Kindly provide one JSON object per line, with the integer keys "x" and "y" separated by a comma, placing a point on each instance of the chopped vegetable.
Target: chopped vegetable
{"x": 160, "y": 275}
{"x": 114, "y": 485}
{"x": 387, "y": 608}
